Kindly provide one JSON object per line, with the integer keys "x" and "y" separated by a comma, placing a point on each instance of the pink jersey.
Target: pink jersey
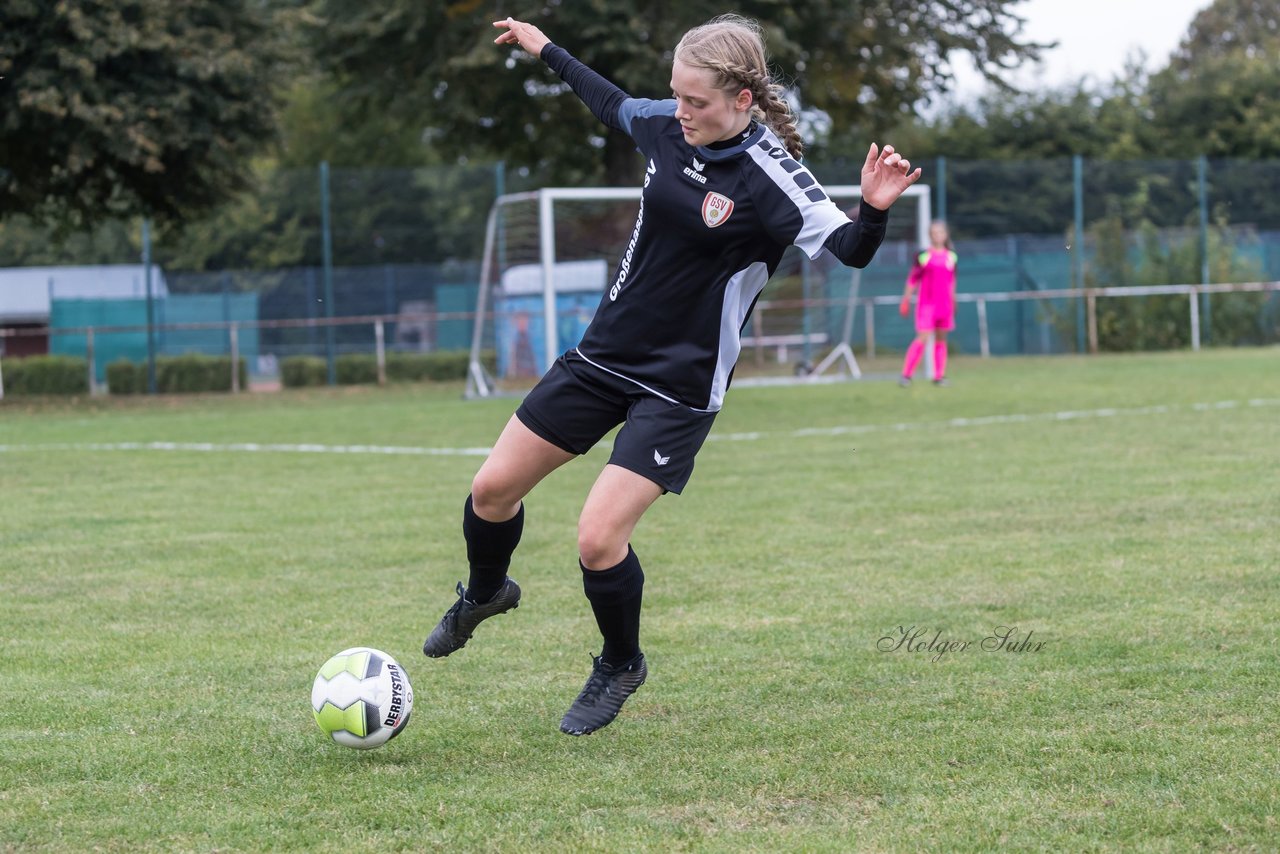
{"x": 934, "y": 274}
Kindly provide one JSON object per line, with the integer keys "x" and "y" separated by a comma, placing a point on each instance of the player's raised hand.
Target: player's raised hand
{"x": 527, "y": 36}
{"x": 885, "y": 175}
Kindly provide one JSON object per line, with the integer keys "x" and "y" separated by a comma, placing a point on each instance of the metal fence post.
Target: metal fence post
{"x": 151, "y": 308}
{"x": 88, "y": 351}
{"x": 1093, "y": 321}
{"x": 984, "y": 341}
{"x": 381, "y": 349}
{"x": 234, "y": 334}
{"x": 326, "y": 246}
{"x": 869, "y": 314}
{"x": 500, "y": 190}
{"x": 1202, "y": 170}
{"x": 1077, "y": 191}
{"x": 1195, "y": 319}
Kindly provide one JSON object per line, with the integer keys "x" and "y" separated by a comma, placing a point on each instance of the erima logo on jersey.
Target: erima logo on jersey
{"x": 716, "y": 209}
{"x": 659, "y": 458}
{"x": 696, "y": 172}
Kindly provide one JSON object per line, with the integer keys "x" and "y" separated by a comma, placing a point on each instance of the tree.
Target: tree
{"x": 1228, "y": 28}
{"x": 1009, "y": 167}
{"x": 1229, "y": 107}
{"x": 1220, "y": 94}
{"x": 862, "y": 63}
{"x": 135, "y": 106}
{"x": 316, "y": 125}
{"x": 1162, "y": 258}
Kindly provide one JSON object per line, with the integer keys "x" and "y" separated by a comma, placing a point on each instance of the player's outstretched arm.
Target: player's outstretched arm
{"x": 601, "y": 97}
{"x": 526, "y": 35}
{"x": 885, "y": 176}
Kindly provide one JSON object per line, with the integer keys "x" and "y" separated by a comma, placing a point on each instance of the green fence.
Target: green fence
{"x": 408, "y": 242}
{"x": 119, "y": 327}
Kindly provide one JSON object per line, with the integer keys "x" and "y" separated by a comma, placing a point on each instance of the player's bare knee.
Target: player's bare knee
{"x": 492, "y": 497}
{"x": 599, "y": 549}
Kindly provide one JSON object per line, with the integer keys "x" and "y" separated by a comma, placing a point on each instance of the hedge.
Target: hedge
{"x": 185, "y": 374}
{"x": 300, "y": 371}
{"x": 125, "y": 377}
{"x": 34, "y": 375}
{"x": 362, "y": 368}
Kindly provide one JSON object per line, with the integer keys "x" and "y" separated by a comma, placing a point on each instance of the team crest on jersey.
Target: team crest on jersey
{"x": 716, "y": 209}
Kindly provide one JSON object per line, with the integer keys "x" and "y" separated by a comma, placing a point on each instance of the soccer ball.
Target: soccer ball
{"x": 361, "y": 698}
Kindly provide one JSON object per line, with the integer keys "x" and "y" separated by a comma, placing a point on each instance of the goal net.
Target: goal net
{"x": 549, "y": 255}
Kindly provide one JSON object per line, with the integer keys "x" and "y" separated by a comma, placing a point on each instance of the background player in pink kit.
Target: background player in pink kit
{"x": 934, "y": 279}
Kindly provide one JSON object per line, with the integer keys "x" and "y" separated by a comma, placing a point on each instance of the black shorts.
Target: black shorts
{"x": 575, "y": 404}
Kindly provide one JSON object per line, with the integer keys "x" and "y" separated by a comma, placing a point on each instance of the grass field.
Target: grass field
{"x": 165, "y": 610}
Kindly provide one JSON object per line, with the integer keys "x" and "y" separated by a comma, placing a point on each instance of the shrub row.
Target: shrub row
{"x": 39, "y": 375}
{"x": 46, "y": 375}
{"x": 192, "y": 372}
{"x": 362, "y": 368}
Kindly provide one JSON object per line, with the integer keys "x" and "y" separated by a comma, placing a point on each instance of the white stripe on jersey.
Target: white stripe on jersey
{"x": 819, "y": 218}
{"x": 739, "y": 293}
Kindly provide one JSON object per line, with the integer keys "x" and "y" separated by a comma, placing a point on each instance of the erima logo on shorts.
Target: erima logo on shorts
{"x": 659, "y": 458}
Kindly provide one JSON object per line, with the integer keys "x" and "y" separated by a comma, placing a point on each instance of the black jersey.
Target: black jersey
{"x": 712, "y": 226}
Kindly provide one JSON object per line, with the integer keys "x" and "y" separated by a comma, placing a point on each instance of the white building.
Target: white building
{"x": 27, "y": 295}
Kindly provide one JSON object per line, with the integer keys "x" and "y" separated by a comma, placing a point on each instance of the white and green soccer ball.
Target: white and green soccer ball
{"x": 362, "y": 698}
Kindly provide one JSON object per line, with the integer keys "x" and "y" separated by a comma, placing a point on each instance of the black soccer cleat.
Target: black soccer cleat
{"x": 602, "y": 697}
{"x": 458, "y": 623}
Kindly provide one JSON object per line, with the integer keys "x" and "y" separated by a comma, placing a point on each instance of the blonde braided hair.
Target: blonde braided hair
{"x": 732, "y": 49}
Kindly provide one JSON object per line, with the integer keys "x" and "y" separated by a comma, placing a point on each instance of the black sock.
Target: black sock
{"x": 489, "y": 548}
{"x": 615, "y": 595}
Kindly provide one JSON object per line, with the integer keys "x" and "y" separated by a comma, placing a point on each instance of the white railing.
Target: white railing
{"x": 1090, "y": 295}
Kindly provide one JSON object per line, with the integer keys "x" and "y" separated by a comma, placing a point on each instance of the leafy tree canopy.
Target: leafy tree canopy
{"x": 1220, "y": 94}
{"x": 1228, "y": 28}
{"x": 863, "y": 63}
{"x": 133, "y": 106}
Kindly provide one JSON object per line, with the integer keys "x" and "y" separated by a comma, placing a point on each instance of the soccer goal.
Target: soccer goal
{"x": 549, "y": 254}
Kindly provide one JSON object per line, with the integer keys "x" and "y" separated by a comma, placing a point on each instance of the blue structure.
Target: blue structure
{"x": 520, "y": 313}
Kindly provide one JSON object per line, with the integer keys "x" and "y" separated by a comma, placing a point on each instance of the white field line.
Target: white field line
{"x": 250, "y": 448}
{"x": 1017, "y": 418}
{"x": 848, "y": 430}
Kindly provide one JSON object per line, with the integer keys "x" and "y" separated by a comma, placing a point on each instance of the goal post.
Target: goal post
{"x": 549, "y": 254}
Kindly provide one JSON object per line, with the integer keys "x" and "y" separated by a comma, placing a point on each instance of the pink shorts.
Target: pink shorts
{"x": 931, "y": 317}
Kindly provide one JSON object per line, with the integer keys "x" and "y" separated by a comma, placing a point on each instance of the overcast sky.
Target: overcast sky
{"x": 1094, "y": 38}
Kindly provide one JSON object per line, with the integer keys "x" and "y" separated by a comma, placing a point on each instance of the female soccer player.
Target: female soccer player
{"x": 724, "y": 195}
{"x": 934, "y": 273}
